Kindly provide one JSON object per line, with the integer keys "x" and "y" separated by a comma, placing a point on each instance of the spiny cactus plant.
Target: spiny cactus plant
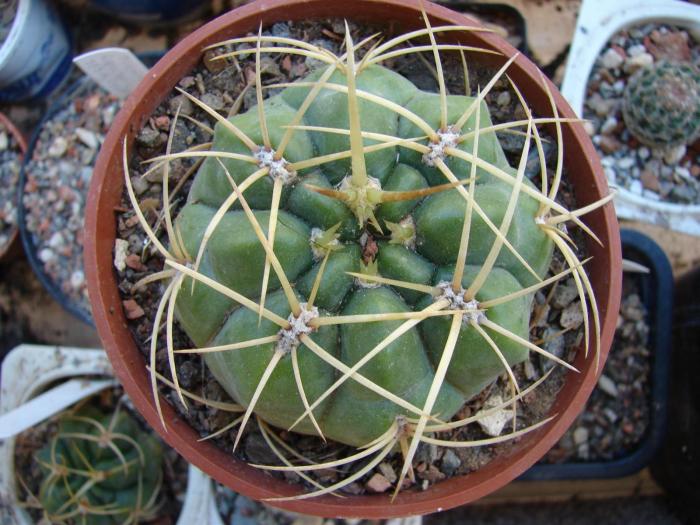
{"x": 356, "y": 258}
{"x": 661, "y": 104}
{"x": 99, "y": 469}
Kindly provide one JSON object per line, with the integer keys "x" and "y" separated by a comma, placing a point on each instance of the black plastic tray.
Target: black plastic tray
{"x": 656, "y": 291}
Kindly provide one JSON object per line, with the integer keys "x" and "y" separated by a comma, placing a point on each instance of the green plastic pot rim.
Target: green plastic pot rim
{"x": 585, "y": 174}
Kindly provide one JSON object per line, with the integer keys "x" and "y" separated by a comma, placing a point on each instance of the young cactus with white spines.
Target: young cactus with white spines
{"x": 356, "y": 258}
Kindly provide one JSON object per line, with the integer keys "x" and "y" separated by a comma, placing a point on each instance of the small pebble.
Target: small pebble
{"x": 675, "y": 154}
{"x": 121, "y": 248}
{"x": 132, "y": 310}
{"x": 450, "y": 462}
{"x": 564, "y": 294}
{"x": 580, "y": 435}
{"x": 378, "y": 484}
{"x": 572, "y": 316}
{"x": 607, "y": 385}
{"x": 58, "y": 147}
{"x": 503, "y": 99}
{"x": 494, "y": 423}
{"x": 609, "y": 125}
{"x": 611, "y": 59}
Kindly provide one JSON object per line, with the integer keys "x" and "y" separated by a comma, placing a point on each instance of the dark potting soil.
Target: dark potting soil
{"x": 10, "y": 164}
{"x": 617, "y": 414}
{"x": 30, "y": 476}
{"x": 556, "y": 323}
{"x": 660, "y": 174}
{"x": 57, "y": 180}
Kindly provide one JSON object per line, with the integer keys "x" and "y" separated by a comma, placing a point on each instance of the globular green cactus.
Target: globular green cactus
{"x": 356, "y": 258}
{"x": 661, "y": 104}
{"x": 100, "y": 469}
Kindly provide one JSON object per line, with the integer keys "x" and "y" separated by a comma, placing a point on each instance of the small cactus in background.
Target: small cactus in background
{"x": 356, "y": 258}
{"x": 661, "y": 105}
{"x": 99, "y": 469}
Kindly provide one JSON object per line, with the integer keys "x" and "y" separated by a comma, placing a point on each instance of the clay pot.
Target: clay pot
{"x": 12, "y": 247}
{"x": 584, "y": 172}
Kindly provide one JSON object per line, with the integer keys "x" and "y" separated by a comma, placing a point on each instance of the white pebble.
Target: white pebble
{"x": 610, "y": 175}
{"x": 611, "y": 59}
{"x": 121, "y": 249}
{"x": 58, "y": 147}
{"x": 580, "y": 435}
{"x": 643, "y": 153}
{"x": 56, "y": 240}
{"x": 88, "y": 138}
{"x": 637, "y": 62}
{"x": 4, "y": 141}
{"x": 503, "y": 99}
{"x": 589, "y": 127}
{"x": 609, "y": 125}
{"x": 46, "y": 255}
{"x": 674, "y": 155}
{"x": 610, "y": 414}
{"x": 607, "y": 385}
{"x": 493, "y": 424}
{"x": 636, "y": 50}
{"x": 636, "y": 187}
{"x": 683, "y": 173}
{"x": 625, "y": 163}
{"x": 77, "y": 279}
{"x": 572, "y": 316}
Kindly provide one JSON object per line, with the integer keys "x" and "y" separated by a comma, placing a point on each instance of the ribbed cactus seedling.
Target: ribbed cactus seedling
{"x": 99, "y": 469}
{"x": 661, "y": 105}
{"x": 356, "y": 258}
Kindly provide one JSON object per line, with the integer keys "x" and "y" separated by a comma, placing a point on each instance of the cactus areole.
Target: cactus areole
{"x": 356, "y": 258}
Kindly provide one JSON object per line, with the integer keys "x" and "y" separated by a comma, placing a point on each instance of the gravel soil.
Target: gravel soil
{"x": 10, "y": 164}
{"x": 617, "y": 415}
{"x": 57, "y": 178}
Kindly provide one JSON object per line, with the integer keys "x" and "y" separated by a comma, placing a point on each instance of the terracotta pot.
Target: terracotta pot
{"x": 584, "y": 172}
{"x": 13, "y": 247}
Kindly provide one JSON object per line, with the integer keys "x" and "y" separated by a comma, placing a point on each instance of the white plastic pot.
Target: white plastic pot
{"x": 598, "y": 21}
{"x": 36, "y": 55}
{"x": 29, "y": 369}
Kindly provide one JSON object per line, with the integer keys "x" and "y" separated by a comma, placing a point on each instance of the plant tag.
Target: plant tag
{"x": 114, "y": 69}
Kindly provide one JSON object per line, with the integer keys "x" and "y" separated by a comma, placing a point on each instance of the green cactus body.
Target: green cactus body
{"x": 661, "y": 104}
{"x": 352, "y": 413}
{"x": 100, "y": 470}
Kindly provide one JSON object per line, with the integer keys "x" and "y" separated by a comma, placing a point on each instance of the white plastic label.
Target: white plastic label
{"x": 114, "y": 69}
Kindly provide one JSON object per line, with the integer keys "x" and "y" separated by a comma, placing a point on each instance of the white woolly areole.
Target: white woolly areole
{"x": 448, "y": 139}
{"x": 347, "y": 184}
{"x": 458, "y": 302}
{"x": 317, "y": 251}
{"x": 362, "y": 283}
{"x": 278, "y": 167}
{"x": 408, "y": 222}
{"x": 298, "y": 326}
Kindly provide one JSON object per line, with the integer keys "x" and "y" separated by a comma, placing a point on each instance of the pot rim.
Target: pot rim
{"x": 9, "y": 246}
{"x": 106, "y": 189}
